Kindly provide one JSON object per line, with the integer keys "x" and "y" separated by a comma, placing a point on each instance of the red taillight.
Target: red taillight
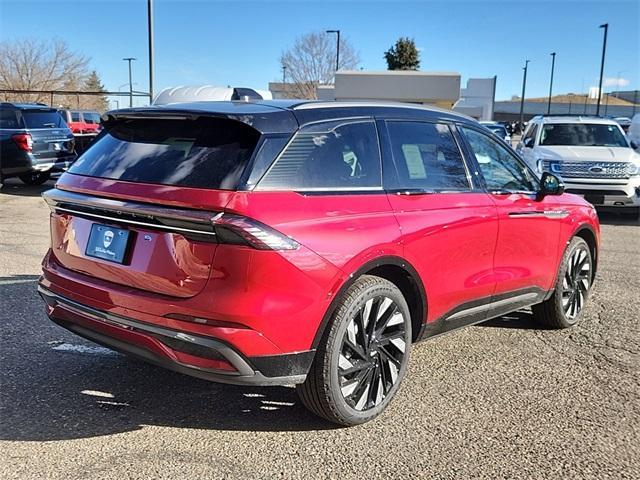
{"x": 239, "y": 230}
{"x": 23, "y": 141}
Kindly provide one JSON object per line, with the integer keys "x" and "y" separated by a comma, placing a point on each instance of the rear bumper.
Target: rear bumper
{"x": 196, "y": 355}
{"x": 26, "y": 163}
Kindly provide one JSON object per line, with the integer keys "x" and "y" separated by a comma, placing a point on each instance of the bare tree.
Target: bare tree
{"x": 32, "y": 64}
{"x": 312, "y": 62}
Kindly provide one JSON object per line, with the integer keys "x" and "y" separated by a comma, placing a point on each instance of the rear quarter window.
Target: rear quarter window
{"x": 335, "y": 155}
{"x": 9, "y": 119}
{"x": 203, "y": 153}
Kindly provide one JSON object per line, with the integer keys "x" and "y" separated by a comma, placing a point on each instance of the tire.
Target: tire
{"x": 575, "y": 277}
{"x": 358, "y": 370}
{"x": 35, "y": 178}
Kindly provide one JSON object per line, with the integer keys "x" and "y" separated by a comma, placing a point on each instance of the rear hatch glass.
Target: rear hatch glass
{"x": 203, "y": 153}
{"x": 34, "y": 119}
{"x": 49, "y": 132}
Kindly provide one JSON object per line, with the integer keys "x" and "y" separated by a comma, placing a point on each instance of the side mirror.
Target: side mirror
{"x": 634, "y": 144}
{"x": 550, "y": 185}
{"x": 528, "y": 142}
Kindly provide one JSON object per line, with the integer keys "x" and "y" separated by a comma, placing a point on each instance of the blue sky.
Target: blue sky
{"x": 239, "y": 43}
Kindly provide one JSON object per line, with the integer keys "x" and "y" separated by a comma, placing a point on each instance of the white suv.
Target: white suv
{"x": 591, "y": 154}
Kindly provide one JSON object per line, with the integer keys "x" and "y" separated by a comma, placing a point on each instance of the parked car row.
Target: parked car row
{"x": 37, "y": 140}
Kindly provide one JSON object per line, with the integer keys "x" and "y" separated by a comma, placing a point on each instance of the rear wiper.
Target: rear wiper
{"x": 50, "y": 125}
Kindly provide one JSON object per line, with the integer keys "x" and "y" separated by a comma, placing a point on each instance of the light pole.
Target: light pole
{"x": 150, "y": 33}
{"x": 553, "y": 64}
{"x": 524, "y": 86}
{"x": 337, "y": 32}
{"x": 130, "y": 59}
{"x": 284, "y": 74}
{"x": 604, "y": 51}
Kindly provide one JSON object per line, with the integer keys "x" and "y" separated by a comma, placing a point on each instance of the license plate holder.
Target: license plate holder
{"x": 108, "y": 243}
{"x": 594, "y": 199}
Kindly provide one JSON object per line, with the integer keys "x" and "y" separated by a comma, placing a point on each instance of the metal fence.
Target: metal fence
{"x": 72, "y": 98}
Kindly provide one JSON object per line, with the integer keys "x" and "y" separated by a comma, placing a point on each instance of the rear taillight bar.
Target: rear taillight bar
{"x": 23, "y": 141}
{"x": 199, "y": 225}
{"x": 237, "y": 229}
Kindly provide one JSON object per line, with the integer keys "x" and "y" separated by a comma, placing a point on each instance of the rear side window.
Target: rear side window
{"x": 43, "y": 119}
{"x": 427, "y": 156}
{"x": 336, "y": 155}
{"x": 9, "y": 119}
{"x": 203, "y": 153}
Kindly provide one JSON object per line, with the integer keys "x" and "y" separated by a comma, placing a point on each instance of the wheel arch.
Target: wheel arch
{"x": 399, "y": 272}
{"x": 587, "y": 233}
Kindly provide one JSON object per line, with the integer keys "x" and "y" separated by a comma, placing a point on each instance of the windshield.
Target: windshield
{"x": 582, "y": 134}
{"x": 43, "y": 119}
{"x": 203, "y": 153}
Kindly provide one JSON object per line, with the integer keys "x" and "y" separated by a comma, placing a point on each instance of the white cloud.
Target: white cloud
{"x": 615, "y": 82}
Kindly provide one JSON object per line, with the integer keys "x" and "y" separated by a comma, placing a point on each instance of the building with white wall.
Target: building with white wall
{"x": 478, "y": 99}
{"x": 433, "y": 88}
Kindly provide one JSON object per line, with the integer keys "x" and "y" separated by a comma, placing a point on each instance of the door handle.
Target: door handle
{"x": 540, "y": 213}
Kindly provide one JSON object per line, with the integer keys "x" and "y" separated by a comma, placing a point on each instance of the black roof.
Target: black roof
{"x": 283, "y": 116}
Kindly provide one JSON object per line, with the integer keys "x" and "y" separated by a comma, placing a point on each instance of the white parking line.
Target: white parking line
{"x": 17, "y": 280}
{"x": 68, "y": 347}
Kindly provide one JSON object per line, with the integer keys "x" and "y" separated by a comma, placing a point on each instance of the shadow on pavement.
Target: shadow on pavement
{"x": 14, "y": 186}
{"x": 48, "y": 391}
{"x": 522, "y": 319}
{"x": 610, "y": 217}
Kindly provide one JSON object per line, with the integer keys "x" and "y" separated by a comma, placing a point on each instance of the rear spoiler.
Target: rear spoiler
{"x": 265, "y": 121}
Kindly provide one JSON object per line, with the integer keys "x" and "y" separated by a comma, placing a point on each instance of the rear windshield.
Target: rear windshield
{"x": 204, "y": 153}
{"x": 91, "y": 117}
{"x": 42, "y": 119}
{"x": 582, "y": 134}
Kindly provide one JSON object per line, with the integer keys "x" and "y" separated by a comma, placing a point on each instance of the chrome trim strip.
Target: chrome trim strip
{"x": 55, "y": 197}
{"x": 543, "y": 214}
{"x": 132, "y": 222}
{"x": 490, "y": 306}
{"x": 234, "y": 358}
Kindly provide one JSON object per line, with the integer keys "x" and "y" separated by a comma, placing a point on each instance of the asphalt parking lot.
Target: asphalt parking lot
{"x": 505, "y": 399}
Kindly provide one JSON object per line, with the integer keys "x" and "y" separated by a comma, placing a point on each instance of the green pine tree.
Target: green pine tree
{"x": 93, "y": 84}
{"x": 403, "y": 55}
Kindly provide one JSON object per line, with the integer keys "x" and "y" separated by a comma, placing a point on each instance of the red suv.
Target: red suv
{"x": 82, "y": 122}
{"x": 273, "y": 243}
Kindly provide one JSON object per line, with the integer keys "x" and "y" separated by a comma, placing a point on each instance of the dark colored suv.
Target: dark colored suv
{"x": 34, "y": 142}
{"x": 276, "y": 243}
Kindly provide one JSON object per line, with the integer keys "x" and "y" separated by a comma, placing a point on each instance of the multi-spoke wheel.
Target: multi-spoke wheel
{"x": 564, "y": 307}
{"x": 363, "y": 355}
{"x": 576, "y": 282}
{"x": 372, "y": 353}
